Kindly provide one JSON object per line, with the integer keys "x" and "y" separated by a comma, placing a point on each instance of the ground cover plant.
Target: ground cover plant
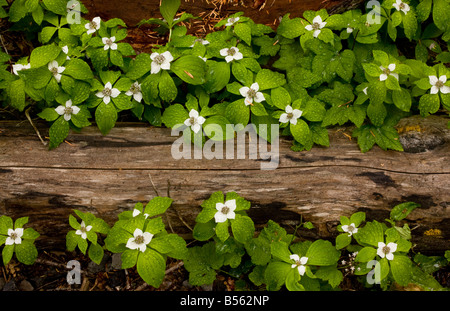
{"x": 311, "y": 73}
{"x": 379, "y": 254}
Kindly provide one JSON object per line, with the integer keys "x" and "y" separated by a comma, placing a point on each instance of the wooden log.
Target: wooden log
{"x": 106, "y": 175}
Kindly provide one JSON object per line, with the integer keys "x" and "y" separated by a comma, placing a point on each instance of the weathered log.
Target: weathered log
{"x": 109, "y": 174}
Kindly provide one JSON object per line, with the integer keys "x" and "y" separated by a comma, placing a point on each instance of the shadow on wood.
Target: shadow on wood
{"x": 106, "y": 175}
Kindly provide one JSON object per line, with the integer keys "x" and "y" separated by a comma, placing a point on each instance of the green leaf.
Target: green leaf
{"x": 371, "y": 234}
{"x": 129, "y": 258}
{"x": 217, "y": 76}
{"x": 16, "y": 94}
{"x": 401, "y": 269}
{"x": 167, "y": 88}
{"x": 20, "y": 222}
{"x": 78, "y": 69}
{"x": 139, "y": 66}
{"x": 343, "y": 240}
{"x": 56, "y": 6}
{"x": 170, "y": 244}
{"x": 174, "y": 115}
{"x": 402, "y": 210}
{"x": 429, "y": 104}
{"x": 244, "y": 32}
{"x": 280, "y": 250}
{"x": 71, "y": 240}
{"x": 30, "y": 234}
{"x": 222, "y": 231}
{"x": 116, "y": 58}
{"x": 191, "y": 69}
{"x": 17, "y": 11}
{"x": 366, "y": 254}
{"x": 276, "y": 274}
{"x": 204, "y": 231}
{"x": 58, "y": 132}
{"x": 241, "y": 73}
{"x": 157, "y": 206}
{"x": 26, "y": 252}
{"x": 377, "y": 113}
{"x": 105, "y": 116}
{"x": 280, "y": 97}
{"x": 96, "y": 253}
{"x": 42, "y": 55}
{"x": 237, "y": 112}
{"x": 7, "y": 253}
{"x": 330, "y": 274}
{"x": 243, "y": 228}
{"x": 410, "y": 24}
{"x": 268, "y": 79}
{"x": 48, "y": 114}
{"x": 47, "y": 33}
{"x": 291, "y": 28}
{"x": 168, "y": 9}
{"x": 322, "y": 253}
{"x": 392, "y": 83}
{"x": 300, "y": 131}
{"x": 402, "y": 99}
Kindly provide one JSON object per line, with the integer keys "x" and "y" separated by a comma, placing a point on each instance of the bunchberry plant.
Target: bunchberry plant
{"x": 143, "y": 241}
{"x": 349, "y": 228}
{"x": 17, "y": 240}
{"x": 221, "y": 212}
{"x": 86, "y": 231}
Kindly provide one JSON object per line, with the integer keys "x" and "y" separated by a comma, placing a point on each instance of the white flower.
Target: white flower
{"x": 225, "y": 211}
{"x": 438, "y": 85}
{"x": 93, "y": 25}
{"x": 316, "y": 25}
{"x": 14, "y": 236}
{"x": 65, "y": 49}
{"x": 386, "y": 250}
{"x": 231, "y": 54}
{"x": 251, "y": 93}
{"x": 56, "y": 70}
{"x": 203, "y": 58}
{"x": 387, "y": 72}
{"x": 68, "y": 110}
{"x": 83, "y": 229}
{"x": 160, "y": 61}
{"x": 299, "y": 263}
{"x": 109, "y": 43}
{"x": 107, "y": 93}
{"x": 18, "y": 67}
{"x": 231, "y": 21}
{"x": 137, "y": 212}
{"x": 350, "y": 229}
{"x": 201, "y": 40}
{"x": 135, "y": 91}
{"x": 291, "y": 115}
{"x": 349, "y": 29}
{"x": 194, "y": 121}
{"x": 365, "y": 90}
{"x": 140, "y": 240}
{"x": 399, "y": 5}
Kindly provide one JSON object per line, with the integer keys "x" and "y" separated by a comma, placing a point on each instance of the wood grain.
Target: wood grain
{"x": 109, "y": 174}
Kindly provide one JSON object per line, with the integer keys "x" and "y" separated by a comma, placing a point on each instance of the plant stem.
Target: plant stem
{"x": 27, "y": 114}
